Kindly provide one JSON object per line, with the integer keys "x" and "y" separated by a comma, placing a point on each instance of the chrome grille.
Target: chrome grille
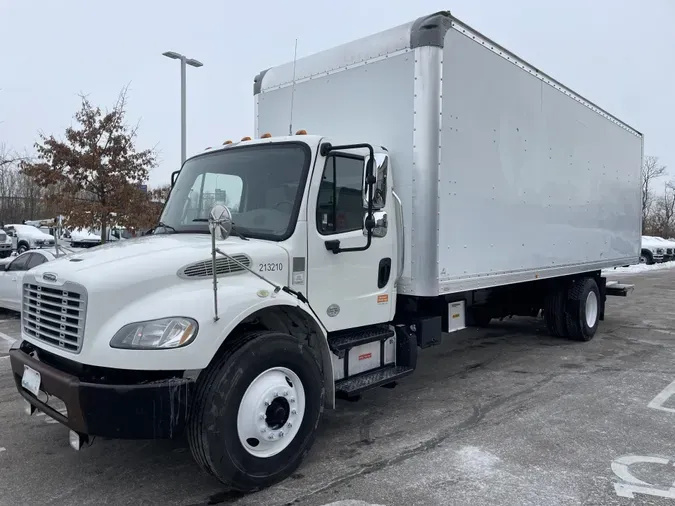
{"x": 224, "y": 266}
{"x": 55, "y": 315}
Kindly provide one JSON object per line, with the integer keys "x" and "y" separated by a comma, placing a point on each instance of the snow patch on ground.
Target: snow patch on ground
{"x": 351, "y": 502}
{"x": 639, "y": 268}
{"x": 478, "y": 461}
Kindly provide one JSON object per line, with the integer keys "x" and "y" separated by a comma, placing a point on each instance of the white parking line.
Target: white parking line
{"x": 630, "y": 485}
{"x": 10, "y": 340}
{"x": 659, "y": 401}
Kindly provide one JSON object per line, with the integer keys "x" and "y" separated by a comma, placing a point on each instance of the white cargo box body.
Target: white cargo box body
{"x": 505, "y": 175}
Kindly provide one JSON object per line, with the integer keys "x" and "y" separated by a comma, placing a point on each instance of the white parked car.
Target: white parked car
{"x": 83, "y": 238}
{"x": 652, "y": 250}
{"x": 12, "y": 271}
{"x": 669, "y": 246}
{"x": 6, "y": 245}
{"x": 25, "y": 237}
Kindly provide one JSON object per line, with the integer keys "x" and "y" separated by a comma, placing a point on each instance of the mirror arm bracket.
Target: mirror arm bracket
{"x": 334, "y": 245}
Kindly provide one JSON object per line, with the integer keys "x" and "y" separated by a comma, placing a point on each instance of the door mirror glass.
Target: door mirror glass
{"x": 380, "y": 224}
{"x": 380, "y": 170}
{"x": 220, "y": 222}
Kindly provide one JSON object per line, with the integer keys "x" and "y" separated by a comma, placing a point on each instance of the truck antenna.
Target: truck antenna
{"x": 295, "y": 58}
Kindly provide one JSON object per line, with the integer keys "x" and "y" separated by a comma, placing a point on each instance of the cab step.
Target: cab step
{"x": 340, "y": 341}
{"x": 353, "y": 386}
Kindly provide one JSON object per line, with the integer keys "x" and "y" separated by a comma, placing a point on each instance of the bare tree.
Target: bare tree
{"x": 661, "y": 221}
{"x": 651, "y": 170}
{"x": 20, "y": 197}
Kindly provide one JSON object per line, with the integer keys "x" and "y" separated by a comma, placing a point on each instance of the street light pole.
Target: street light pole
{"x": 184, "y": 62}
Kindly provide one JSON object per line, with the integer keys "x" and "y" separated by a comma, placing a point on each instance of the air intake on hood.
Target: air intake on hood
{"x": 224, "y": 266}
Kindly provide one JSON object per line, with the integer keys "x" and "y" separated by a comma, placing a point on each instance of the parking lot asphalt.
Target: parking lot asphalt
{"x": 505, "y": 415}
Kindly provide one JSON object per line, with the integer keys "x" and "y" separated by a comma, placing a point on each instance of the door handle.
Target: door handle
{"x": 383, "y": 272}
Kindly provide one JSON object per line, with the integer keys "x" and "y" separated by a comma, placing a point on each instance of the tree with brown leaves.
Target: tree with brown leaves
{"x": 94, "y": 175}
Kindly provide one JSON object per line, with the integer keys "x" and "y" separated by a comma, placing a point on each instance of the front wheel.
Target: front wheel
{"x": 22, "y": 248}
{"x": 256, "y": 411}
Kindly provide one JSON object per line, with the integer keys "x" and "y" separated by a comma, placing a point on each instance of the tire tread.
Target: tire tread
{"x": 572, "y": 316}
{"x": 195, "y": 434}
{"x": 554, "y": 312}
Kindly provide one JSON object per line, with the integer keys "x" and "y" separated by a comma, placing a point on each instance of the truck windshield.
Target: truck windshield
{"x": 261, "y": 184}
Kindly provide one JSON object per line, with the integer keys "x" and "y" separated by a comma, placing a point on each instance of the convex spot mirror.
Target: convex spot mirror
{"x": 220, "y": 222}
{"x": 380, "y": 171}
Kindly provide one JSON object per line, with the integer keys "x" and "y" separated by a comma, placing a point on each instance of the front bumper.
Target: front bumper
{"x": 99, "y": 402}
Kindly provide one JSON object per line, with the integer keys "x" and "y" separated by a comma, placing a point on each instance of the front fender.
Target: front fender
{"x": 237, "y": 299}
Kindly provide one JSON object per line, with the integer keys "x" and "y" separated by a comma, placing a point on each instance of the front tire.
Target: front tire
{"x": 583, "y": 309}
{"x": 22, "y": 248}
{"x": 256, "y": 411}
{"x": 646, "y": 258}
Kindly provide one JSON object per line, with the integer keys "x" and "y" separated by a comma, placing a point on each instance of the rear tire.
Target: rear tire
{"x": 256, "y": 411}
{"x": 583, "y": 309}
{"x": 554, "y": 311}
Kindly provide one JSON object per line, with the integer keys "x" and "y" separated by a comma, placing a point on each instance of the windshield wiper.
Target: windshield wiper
{"x": 164, "y": 225}
{"x": 234, "y": 229}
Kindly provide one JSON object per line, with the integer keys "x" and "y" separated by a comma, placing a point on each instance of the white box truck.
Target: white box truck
{"x": 441, "y": 182}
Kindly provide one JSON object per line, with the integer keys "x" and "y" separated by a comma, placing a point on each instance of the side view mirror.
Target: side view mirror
{"x": 380, "y": 170}
{"x": 220, "y": 222}
{"x": 174, "y": 175}
{"x": 380, "y": 225}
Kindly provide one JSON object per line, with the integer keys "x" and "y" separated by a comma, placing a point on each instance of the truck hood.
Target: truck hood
{"x": 154, "y": 261}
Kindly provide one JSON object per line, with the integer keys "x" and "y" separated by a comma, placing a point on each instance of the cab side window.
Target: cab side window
{"x": 340, "y": 203}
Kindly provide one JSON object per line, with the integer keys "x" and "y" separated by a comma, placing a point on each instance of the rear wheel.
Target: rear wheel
{"x": 583, "y": 309}
{"x": 256, "y": 411}
{"x": 554, "y": 311}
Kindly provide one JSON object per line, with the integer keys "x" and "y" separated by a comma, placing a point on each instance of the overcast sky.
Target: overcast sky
{"x": 619, "y": 54}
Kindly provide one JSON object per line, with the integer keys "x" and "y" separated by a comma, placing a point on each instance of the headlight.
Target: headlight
{"x": 156, "y": 334}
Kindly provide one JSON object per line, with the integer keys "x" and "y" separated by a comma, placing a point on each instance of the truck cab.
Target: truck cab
{"x": 313, "y": 205}
{"x": 312, "y": 249}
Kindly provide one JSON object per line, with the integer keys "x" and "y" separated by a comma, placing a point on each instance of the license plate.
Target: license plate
{"x": 31, "y": 380}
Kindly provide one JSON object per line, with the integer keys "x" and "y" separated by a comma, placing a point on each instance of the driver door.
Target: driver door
{"x": 353, "y": 288}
